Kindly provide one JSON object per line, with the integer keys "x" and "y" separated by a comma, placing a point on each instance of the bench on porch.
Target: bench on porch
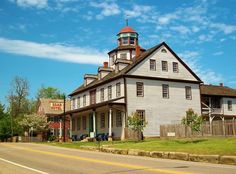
{"x": 79, "y": 138}
{"x": 98, "y": 137}
{"x": 103, "y": 136}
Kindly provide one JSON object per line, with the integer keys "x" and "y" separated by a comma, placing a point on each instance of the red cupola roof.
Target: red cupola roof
{"x": 127, "y": 29}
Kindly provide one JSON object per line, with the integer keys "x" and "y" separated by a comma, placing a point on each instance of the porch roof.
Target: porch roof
{"x": 213, "y": 90}
{"x": 94, "y": 106}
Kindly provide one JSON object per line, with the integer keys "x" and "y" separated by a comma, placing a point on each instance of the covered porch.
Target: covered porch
{"x": 107, "y": 119}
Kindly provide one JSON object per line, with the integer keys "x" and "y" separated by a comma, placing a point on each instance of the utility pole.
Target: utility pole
{"x": 64, "y": 119}
{"x": 11, "y": 120}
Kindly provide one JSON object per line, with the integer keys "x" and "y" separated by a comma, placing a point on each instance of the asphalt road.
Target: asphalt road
{"x": 26, "y": 158}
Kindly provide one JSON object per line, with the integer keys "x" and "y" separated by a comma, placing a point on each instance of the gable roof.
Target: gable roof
{"x": 136, "y": 60}
{"x": 217, "y": 90}
{"x": 45, "y": 103}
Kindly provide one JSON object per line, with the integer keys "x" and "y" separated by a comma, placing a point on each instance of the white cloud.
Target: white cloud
{"x": 137, "y": 10}
{"x": 31, "y": 3}
{"x": 205, "y": 38}
{"x": 88, "y": 16}
{"x": 181, "y": 29}
{"x": 195, "y": 29}
{"x": 52, "y": 51}
{"x": 211, "y": 77}
{"x": 218, "y": 53}
{"x": 192, "y": 58}
{"x": 227, "y": 29}
{"x": 190, "y": 54}
{"x": 108, "y": 9}
{"x": 166, "y": 19}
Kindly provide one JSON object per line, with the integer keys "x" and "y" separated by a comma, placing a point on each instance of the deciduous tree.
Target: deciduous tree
{"x": 18, "y": 96}
{"x": 49, "y": 92}
{"x": 193, "y": 120}
{"x": 37, "y": 122}
{"x": 137, "y": 124}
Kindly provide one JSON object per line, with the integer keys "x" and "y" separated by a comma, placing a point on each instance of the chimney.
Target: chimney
{"x": 137, "y": 50}
{"x": 105, "y": 64}
{"x": 221, "y": 84}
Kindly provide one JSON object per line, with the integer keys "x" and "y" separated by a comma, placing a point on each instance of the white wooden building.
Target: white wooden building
{"x": 155, "y": 82}
{"x": 218, "y": 102}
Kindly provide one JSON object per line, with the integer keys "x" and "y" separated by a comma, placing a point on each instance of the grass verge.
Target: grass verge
{"x": 217, "y": 146}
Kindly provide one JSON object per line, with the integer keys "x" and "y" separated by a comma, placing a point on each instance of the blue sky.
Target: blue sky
{"x": 55, "y": 42}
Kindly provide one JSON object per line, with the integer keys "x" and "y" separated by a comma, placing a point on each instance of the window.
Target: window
{"x": 92, "y": 97}
{"x": 230, "y": 108}
{"x": 152, "y": 65}
{"x": 140, "y": 91}
{"x": 78, "y": 102}
{"x": 118, "y": 119}
{"x": 188, "y": 93}
{"x": 109, "y": 92}
{"x": 141, "y": 114}
{"x": 102, "y": 121}
{"x": 73, "y": 103}
{"x": 163, "y": 50}
{"x": 164, "y": 65}
{"x": 56, "y": 119}
{"x": 102, "y": 94}
{"x": 132, "y": 41}
{"x": 175, "y": 67}
{"x": 123, "y": 56}
{"x": 165, "y": 91}
{"x": 73, "y": 124}
{"x": 118, "y": 90}
{"x": 124, "y": 40}
{"x": 78, "y": 123}
{"x": 84, "y": 100}
{"x": 84, "y": 122}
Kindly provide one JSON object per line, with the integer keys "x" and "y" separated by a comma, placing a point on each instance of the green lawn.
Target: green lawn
{"x": 221, "y": 146}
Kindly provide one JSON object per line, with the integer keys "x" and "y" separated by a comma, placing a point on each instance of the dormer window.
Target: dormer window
{"x": 123, "y": 56}
{"x": 125, "y": 41}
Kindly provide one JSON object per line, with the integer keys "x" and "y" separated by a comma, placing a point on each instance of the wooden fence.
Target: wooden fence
{"x": 217, "y": 128}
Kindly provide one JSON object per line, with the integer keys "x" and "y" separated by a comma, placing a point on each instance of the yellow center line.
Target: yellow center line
{"x": 145, "y": 168}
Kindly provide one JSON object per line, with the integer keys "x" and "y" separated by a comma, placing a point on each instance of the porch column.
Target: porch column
{"x": 60, "y": 130}
{"x": 94, "y": 122}
{"x": 123, "y": 134}
{"x": 110, "y": 121}
{"x": 71, "y": 126}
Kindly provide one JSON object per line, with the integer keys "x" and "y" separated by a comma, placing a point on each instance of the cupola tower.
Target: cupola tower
{"x": 127, "y": 46}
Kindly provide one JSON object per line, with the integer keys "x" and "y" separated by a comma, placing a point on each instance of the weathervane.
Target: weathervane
{"x": 126, "y": 20}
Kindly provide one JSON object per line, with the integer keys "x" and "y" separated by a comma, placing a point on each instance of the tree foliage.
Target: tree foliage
{"x": 136, "y": 123}
{"x": 8, "y": 125}
{"x": 37, "y": 122}
{"x": 49, "y": 92}
{"x": 193, "y": 120}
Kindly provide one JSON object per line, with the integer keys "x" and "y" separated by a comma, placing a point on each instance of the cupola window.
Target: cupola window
{"x": 125, "y": 41}
{"x": 132, "y": 40}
